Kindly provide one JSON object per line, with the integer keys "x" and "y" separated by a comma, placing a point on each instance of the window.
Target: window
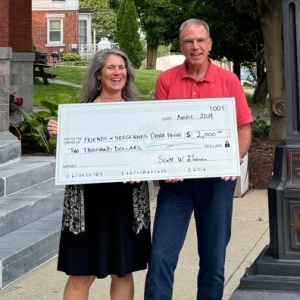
{"x": 82, "y": 32}
{"x": 55, "y": 29}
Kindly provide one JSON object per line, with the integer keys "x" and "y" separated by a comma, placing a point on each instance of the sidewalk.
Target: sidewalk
{"x": 62, "y": 82}
{"x": 249, "y": 236}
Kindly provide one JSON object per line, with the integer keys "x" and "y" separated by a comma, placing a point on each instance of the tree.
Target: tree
{"x": 152, "y": 23}
{"x": 114, "y": 4}
{"x": 127, "y": 34}
{"x": 160, "y": 21}
{"x": 104, "y": 18}
{"x": 238, "y": 37}
{"x": 271, "y": 23}
{"x": 266, "y": 51}
{"x": 270, "y": 15}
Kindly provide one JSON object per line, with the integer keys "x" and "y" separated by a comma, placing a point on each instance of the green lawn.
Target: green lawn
{"x": 144, "y": 82}
{"x": 68, "y": 73}
{"x": 47, "y": 92}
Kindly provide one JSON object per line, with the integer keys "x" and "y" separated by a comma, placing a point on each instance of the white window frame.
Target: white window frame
{"x": 86, "y": 30}
{"x": 60, "y": 18}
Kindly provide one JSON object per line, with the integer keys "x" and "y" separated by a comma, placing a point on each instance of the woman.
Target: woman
{"x": 105, "y": 238}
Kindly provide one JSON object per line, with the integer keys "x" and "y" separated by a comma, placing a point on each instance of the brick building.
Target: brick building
{"x": 15, "y": 26}
{"x": 60, "y": 26}
{"x": 16, "y": 57}
{"x": 42, "y": 20}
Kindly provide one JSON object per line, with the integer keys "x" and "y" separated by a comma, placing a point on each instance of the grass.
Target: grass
{"x": 47, "y": 92}
{"x": 68, "y": 73}
{"x": 144, "y": 82}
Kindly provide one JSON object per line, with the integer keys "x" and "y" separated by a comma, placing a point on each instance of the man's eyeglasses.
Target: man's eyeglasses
{"x": 190, "y": 43}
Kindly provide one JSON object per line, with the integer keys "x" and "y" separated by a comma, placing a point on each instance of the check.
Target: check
{"x": 146, "y": 140}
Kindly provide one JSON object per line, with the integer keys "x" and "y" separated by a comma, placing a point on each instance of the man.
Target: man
{"x": 210, "y": 199}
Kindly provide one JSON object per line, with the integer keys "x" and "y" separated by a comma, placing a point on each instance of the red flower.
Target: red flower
{"x": 18, "y": 101}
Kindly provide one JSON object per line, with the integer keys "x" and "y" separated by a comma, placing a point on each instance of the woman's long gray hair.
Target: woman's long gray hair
{"x": 90, "y": 83}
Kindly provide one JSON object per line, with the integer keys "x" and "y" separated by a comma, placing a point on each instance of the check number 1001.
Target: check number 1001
{"x": 216, "y": 108}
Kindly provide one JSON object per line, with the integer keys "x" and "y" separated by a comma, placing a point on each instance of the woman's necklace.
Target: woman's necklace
{"x": 110, "y": 100}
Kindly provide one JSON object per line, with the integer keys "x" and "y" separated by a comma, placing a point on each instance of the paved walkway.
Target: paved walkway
{"x": 249, "y": 236}
{"x": 64, "y": 82}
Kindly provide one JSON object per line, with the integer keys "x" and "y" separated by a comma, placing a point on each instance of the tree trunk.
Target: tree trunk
{"x": 237, "y": 68}
{"x": 151, "y": 56}
{"x": 271, "y": 23}
{"x": 261, "y": 91}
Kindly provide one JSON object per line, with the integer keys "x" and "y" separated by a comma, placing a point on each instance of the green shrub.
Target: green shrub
{"x": 249, "y": 98}
{"x": 72, "y": 57}
{"x": 34, "y": 124}
{"x": 260, "y": 128}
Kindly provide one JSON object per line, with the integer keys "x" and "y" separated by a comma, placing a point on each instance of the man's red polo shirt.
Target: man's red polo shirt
{"x": 175, "y": 83}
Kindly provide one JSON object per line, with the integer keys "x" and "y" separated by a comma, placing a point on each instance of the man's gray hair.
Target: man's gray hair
{"x": 191, "y": 22}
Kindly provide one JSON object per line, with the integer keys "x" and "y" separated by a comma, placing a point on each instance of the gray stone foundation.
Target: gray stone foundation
{"x": 21, "y": 81}
{"x": 5, "y": 57}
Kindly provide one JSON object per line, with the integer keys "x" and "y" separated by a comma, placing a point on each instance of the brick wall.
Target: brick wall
{"x": 15, "y": 25}
{"x": 16, "y": 59}
{"x": 4, "y": 24}
{"x": 39, "y": 30}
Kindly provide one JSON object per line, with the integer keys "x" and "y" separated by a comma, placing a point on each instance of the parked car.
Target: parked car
{"x": 248, "y": 77}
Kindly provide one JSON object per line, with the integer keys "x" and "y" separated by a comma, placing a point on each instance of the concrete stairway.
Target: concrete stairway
{"x": 30, "y": 212}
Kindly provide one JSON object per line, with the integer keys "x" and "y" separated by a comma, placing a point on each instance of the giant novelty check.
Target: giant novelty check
{"x": 147, "y": 140}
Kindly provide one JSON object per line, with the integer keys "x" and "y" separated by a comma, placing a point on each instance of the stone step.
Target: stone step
{"x": 29, "y": 171}
{"x": 28, "y": 205}
{"x": 28, "y": 247}
{"x": 10, "y": 148}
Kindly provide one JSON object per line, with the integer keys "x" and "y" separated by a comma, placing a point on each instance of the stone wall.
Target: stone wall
{"x": 21, "y": 77}
{"x": 15, "y": 45}
{"x": 5, "y": 56}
